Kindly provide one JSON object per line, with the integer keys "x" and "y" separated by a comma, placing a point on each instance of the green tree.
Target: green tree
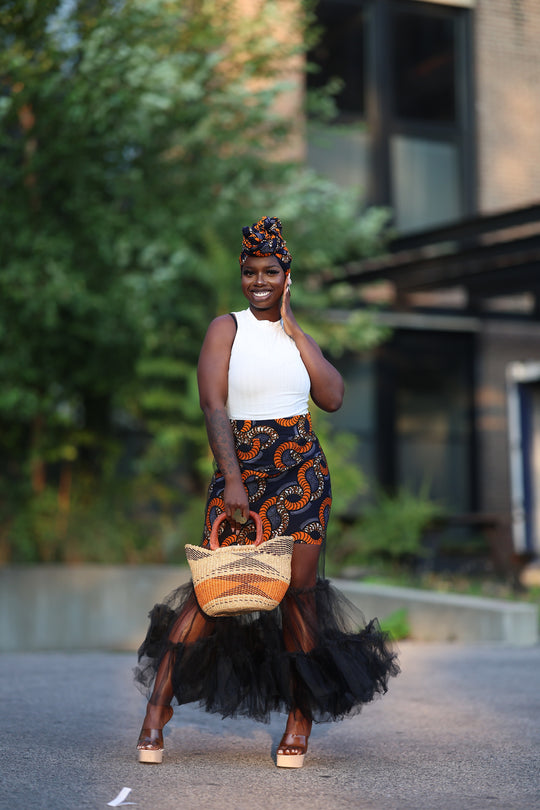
{"x": 135, "y": 139}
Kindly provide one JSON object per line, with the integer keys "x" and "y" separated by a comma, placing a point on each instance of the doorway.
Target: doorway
{"x": 524, "y": 437}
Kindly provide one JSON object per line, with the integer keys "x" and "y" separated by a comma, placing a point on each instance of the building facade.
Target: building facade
{"x": 439, "y": 119}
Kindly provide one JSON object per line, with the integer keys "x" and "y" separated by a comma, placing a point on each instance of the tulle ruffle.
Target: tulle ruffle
{"x": 313, "y": 653}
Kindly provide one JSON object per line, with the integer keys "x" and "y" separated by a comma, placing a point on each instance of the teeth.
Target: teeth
{"x": 261, "y": 294}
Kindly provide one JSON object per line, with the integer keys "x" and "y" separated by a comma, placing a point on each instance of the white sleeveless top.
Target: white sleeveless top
{"x": 267, "y": 378}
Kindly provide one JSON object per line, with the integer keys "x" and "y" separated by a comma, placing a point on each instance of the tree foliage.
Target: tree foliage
{"x": 136, "y": 138}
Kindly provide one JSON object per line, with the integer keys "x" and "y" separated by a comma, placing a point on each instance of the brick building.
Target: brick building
{"x": 507, "y": 78}
{"x": 439, "y": 119}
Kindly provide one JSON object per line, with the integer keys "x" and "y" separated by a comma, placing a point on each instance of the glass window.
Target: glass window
{"x": 340, "y": 54}
{"x": 340, "y": 150}
{"x": 357, "y": 415}
{"x": 433, "y": 415}
{"x": 424, "y": 66}
{"x": 425, "y": 182}
{"x": 340, "y": 153}
{"x": 402, "y": 137}
{"x": 424, "y": 424}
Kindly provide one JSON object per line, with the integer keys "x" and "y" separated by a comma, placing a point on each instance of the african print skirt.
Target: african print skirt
{"x": 286, "y": 476}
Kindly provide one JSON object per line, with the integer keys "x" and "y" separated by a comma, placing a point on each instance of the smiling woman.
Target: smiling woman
{"x": 262, "y": 282}
{"x": 257, "y": 369}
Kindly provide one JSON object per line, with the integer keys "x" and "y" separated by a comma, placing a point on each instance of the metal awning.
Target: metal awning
{"x": 493, "y": 255}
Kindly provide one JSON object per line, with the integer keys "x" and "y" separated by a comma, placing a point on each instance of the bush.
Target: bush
{"x": 390, "y": 530}
{"x": 396, "y": 625}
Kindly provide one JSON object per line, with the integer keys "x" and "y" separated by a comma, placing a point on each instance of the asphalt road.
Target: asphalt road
{"x": 458, "y": 730}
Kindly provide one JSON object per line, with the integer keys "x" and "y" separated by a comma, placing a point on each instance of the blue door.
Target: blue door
{"x": 524, "y": 436}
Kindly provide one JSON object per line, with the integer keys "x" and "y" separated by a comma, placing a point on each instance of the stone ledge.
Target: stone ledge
{"x": 80, "y": 607}
{"x": 83, "y": 607}
{"x": 434, "y": 616}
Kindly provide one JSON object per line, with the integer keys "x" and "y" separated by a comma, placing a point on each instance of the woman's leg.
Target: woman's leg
{"x": 299, "y": 629}
{"x": 191, "y": 625}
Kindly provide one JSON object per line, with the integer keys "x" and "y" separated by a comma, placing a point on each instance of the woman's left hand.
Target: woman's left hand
{"x": 327, "y": 386}
{"x": 290, "y": 324}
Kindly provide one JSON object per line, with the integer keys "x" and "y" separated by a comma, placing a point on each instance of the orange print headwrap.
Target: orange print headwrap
{"x": 264, "y": 238}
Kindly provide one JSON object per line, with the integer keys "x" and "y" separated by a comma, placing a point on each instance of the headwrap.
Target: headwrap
{"x": 264, "y": 238}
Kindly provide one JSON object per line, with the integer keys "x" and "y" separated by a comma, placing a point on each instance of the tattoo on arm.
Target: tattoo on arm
{"x": 221, "y": 441}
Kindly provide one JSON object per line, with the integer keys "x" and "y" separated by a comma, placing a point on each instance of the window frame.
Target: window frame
{"x": 382, "y": 122}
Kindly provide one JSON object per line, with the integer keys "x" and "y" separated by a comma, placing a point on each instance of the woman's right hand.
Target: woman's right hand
{"x": 236, "y": 501}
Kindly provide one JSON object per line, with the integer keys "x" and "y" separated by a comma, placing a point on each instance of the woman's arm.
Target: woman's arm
{"x": 212, "y": 376}
{"x": 327, "y": 387}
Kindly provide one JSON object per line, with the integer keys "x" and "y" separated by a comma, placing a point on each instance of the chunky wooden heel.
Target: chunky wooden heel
{"x": 151, "y": 755}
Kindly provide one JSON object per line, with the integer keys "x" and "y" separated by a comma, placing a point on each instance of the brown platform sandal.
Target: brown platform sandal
{"x": 150, "y": 744}
{"x": 298, "y": 743}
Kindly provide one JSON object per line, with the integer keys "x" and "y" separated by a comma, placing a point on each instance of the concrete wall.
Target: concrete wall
{"x": 449, "y": 617}
{"x": 106, "y": 607}
{"x": 56, "y": 607}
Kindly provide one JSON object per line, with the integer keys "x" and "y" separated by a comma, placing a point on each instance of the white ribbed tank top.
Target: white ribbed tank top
{"x": 267, "y": 378}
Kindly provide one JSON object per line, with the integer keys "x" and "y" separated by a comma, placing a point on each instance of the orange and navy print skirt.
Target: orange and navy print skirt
{"x": 286, "y": 476}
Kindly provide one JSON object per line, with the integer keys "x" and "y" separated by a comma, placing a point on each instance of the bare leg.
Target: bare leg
{"x": 191, "y": 625}
{"x": 298, "y": 635}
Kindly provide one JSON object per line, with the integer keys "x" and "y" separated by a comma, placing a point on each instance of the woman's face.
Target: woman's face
{"x": 263, "y": 279}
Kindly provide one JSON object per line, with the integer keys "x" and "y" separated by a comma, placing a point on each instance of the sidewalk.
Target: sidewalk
{"x": 458, "y": 730}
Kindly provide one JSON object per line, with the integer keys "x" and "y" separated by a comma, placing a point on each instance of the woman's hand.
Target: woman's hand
{"x": 236, "y": 502}
{"x": 290, "y": 324}
{"x": 327, "y": 386}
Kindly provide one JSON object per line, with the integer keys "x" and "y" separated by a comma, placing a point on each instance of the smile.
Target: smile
{"x": 262, "y": 293}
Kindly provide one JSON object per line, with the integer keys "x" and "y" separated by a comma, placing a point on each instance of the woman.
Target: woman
{"x": 257, "y": 369}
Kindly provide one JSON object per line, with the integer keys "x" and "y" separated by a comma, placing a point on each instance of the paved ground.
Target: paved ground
{"x": 459, "y": 730}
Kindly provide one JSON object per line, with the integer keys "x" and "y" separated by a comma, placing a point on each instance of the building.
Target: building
{"x": 439, "y": 119}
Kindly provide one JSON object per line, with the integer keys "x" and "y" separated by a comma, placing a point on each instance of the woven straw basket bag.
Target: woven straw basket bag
{"x": 240, "y": 579}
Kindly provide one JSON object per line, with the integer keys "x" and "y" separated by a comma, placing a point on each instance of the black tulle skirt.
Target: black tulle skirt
{"x": 313, "y": 653}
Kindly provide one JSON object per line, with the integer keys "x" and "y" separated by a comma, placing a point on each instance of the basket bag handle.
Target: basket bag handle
{"x": 214, "y": 542}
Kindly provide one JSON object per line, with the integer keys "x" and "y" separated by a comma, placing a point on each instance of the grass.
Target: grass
{"x": 396, "y": 624}
{"x": 446, "y": 582}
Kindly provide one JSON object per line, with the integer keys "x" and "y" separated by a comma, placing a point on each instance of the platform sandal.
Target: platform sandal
{"x": 297, "y": 742}
{"x": 150, "y": 743}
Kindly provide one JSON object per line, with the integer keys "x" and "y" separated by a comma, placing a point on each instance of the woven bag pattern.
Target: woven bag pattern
{"x": 241, "y": 579}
